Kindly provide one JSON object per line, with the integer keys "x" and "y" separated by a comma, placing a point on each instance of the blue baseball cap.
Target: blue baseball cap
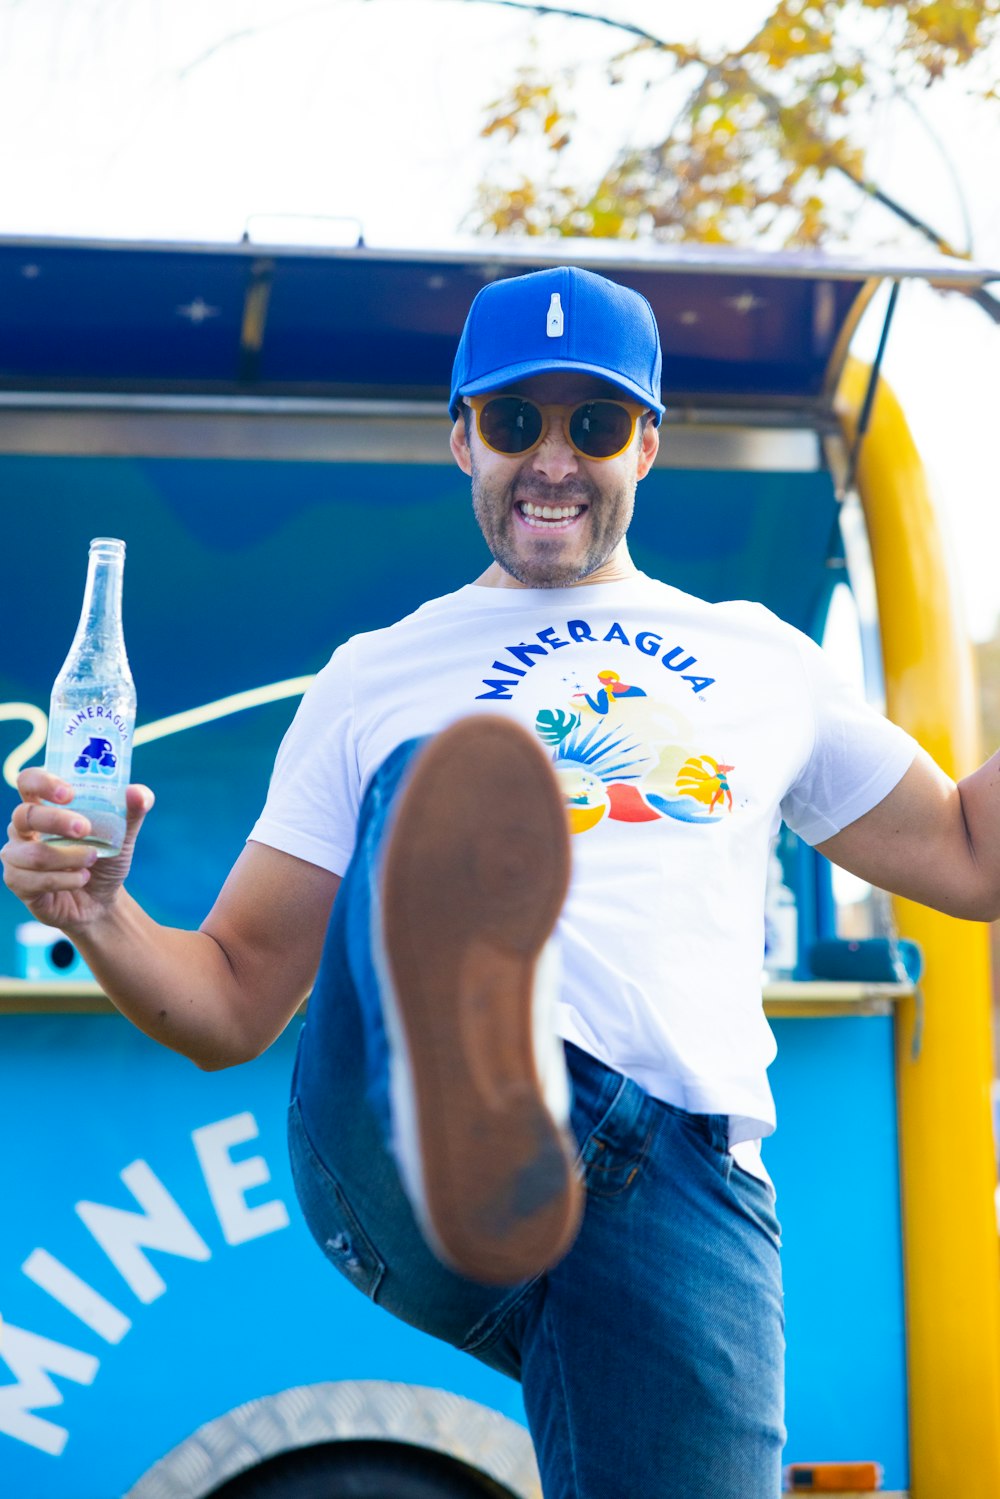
{"x": 561, "y": 319}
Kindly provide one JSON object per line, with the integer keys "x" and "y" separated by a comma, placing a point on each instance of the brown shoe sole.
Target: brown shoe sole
{"x": 475, "y": 873}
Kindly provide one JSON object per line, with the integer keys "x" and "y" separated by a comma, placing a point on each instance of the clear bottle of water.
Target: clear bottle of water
{"x": 92, "y": 712}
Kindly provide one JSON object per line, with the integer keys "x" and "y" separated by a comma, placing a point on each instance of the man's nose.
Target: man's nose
{"x": 554, "y": 458}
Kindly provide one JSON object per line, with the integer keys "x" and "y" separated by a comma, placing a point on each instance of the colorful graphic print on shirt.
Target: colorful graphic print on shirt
{"x": 621, "y": 755}
{"x": 621, "y": 751}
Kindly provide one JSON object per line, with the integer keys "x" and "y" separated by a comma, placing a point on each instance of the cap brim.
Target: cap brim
{"x": 511, "y": 373}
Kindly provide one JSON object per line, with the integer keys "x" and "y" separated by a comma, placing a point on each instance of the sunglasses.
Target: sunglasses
{"x": 514, "y": 425}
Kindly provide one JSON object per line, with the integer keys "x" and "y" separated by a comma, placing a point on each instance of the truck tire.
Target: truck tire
{"x": 361, "y": 1470}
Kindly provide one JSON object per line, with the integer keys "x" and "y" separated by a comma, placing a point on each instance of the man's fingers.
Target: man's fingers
{"x": 36, "y": 784}
{"x": 32, "y": 853}
{"x": 140, "y": 798}
{"x": 31, "y": 883}
{"x": 30, "y": 818}
{"x": 138, "y": 801}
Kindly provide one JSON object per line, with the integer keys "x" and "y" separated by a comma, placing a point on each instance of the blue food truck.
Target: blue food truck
{"x": 266, "y": 428}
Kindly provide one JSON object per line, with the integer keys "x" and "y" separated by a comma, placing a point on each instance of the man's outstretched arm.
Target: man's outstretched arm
{"x": 219, "y": 995}
{"x": 931, "y": 840}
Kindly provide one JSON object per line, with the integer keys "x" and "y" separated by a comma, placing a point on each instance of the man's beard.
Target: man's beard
{"x": 608, "y": 517}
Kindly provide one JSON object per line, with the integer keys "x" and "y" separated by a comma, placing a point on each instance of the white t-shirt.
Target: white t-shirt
{"x": 682, "y": 733}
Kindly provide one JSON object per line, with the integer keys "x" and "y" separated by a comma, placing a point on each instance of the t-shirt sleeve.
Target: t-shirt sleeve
{"x": 857, "y": 755}
{"x": 312, "y": 802}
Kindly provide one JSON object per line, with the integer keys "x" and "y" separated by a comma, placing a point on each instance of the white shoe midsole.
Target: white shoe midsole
{"x": 549, "y": 1054}
{"x": 404, "y": 1135}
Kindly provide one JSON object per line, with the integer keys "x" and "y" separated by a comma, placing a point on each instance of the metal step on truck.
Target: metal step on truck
{"x": 267, "y": 430}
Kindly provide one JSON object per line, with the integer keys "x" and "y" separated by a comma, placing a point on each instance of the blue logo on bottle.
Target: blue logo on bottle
{"x": 96, "y": 759}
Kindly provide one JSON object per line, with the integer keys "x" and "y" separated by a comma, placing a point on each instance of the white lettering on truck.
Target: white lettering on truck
{"x": 123, "y": 1235}
{"x": 31, "y": 1360}
{"x": 229, "y": 1181}
{"x": 64, "y": 1286}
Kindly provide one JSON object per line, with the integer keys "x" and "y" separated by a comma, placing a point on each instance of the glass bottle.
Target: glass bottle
{"x": 92, "y": 712}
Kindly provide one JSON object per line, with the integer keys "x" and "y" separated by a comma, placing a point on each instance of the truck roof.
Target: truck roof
{"x": 739, "y": 328}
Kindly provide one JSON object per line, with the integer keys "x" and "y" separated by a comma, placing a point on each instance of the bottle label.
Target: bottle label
{"x": 90, "y": 745}
{"x": 97, "y": 758}
{"x": 90, "y": 748}
{"x": 93, "y": 739}
{"x": 96, "y": 717}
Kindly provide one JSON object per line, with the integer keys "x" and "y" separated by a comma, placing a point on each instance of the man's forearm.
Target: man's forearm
{"x": 177, "y": 986}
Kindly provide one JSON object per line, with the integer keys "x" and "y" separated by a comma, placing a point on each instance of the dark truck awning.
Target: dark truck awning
{"x": 758, "y": 331}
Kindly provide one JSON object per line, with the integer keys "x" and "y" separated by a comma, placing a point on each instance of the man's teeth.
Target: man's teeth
{"x": 550, "y": 514}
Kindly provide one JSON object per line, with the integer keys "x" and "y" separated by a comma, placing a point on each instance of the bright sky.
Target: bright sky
{"x": 182, "y": 119}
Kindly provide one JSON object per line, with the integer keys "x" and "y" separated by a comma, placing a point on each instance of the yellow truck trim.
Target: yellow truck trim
{"x": 944, "y": 1071}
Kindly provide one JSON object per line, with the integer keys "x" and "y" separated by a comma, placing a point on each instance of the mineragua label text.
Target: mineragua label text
{"x": 108, "y": 717}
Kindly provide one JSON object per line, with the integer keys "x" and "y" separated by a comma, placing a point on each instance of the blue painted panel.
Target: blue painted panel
{"x": 86, "y": 315}
{"x": 279, "y": 1315}
{"x": 120, "y": 317}
{"x": 398, "y": 324}
{"x": 835, "y": 1166}
{"x": 80, "y": 1100}
{"x": 725, "y": 535}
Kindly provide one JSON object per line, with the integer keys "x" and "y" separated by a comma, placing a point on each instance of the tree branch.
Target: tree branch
{"x": 247, "y": 32}
{"x": 770, "y": 103}
{"x": 987, "y": 301}
{"x": 576, "y": 15}
{"x": 773, "y": 107}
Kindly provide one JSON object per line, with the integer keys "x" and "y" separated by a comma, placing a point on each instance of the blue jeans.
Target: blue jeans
{"x": 651, "y": 1358}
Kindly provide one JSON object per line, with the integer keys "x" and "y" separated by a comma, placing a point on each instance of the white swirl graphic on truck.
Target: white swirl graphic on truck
{"x": 160, "y": 728}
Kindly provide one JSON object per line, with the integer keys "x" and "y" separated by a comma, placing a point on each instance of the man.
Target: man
{"x": 645, "y": 1326}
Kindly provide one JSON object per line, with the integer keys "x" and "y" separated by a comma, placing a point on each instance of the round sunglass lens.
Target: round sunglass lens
{"x": 601, "y": 428}
{"x": 510, "y": 424}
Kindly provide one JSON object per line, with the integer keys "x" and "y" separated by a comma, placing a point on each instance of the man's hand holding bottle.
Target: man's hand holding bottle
{"x": 60, "y": 878}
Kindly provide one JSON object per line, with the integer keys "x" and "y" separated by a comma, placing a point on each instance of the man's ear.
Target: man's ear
{"x": 648, "y": 448}
{"x": 459, "y": 444}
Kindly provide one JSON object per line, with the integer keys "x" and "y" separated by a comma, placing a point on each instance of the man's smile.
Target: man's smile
{"x": 540, "y": 517}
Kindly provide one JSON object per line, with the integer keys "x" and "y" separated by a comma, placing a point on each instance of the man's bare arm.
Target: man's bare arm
{"x": 222, "y": 994}
{"x": 219, "y": 995}
{"x": 931, "y": 841}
